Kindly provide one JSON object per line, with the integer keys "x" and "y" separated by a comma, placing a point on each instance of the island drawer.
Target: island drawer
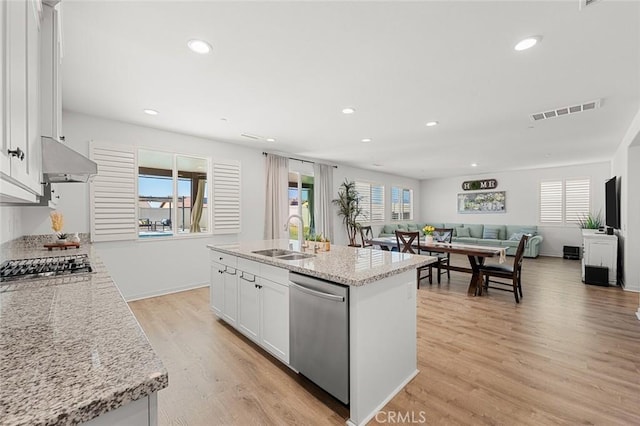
{"x": 273, "y": 273}
{"x": 225, "y": 259}
{"x": 249, "y": 266}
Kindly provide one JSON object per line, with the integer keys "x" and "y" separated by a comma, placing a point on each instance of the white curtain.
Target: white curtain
{"x": 323, "y": 194}
{"x": 277, "y": 202}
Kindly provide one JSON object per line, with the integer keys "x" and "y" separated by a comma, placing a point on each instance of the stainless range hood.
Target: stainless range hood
{"x": 62, "y": 164}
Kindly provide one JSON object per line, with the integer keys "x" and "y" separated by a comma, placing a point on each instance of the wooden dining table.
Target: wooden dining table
{"x": 476, "y": 255}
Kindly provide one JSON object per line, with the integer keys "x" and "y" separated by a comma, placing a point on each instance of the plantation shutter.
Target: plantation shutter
{"x": 407, "y": 204}
{"x": 112, "y": 193}
{"x": 364, "y": 192}
{"x": 551, "y": 202}
{"x": 226, "y": 197}
{"x": 377, "y": 203}
{"x": 371, "y": 201}
{"x": 577, "y": 199}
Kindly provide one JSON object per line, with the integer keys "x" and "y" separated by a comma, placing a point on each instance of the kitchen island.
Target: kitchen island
{"x": 71, "y": 351}
{"x": 251, "y": 292}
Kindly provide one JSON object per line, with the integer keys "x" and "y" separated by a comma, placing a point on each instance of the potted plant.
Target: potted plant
{"x": 591, "y": 221}
{"x": 349, "y": 209}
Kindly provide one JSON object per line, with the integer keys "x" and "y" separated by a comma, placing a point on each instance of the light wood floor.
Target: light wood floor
{"x": 567, "y": 354}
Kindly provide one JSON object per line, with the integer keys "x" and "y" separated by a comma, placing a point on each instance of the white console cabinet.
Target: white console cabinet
{"x": 600, "y": 250}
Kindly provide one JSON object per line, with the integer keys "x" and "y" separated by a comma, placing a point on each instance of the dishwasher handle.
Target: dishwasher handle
{"x": 316, "y": 293}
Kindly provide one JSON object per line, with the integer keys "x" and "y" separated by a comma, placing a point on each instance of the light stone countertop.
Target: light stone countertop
{"x": 70, "y": 347}
{"x": 351, "y": 266}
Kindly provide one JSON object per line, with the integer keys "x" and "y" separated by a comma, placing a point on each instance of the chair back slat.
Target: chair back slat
{"x": 445, "y": 234}
{"x": 406, "y": 240}
{"x": 366, "y": 233}
{"x": 517, "y": 262}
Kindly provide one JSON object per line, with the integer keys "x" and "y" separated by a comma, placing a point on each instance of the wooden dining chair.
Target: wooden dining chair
{"x": 510, "y": 272}
{"x": 442, "y": 235}
{"x": 409, "y": 242}
{"x": 367, "y": 235}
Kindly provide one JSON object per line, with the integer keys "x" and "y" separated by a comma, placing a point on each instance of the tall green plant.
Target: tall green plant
{"x": 349, "y": 209}
{"x": 591, "y": 221}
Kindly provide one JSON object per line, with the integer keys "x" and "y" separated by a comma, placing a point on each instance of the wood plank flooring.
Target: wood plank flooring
{"x": 567, "y": 354}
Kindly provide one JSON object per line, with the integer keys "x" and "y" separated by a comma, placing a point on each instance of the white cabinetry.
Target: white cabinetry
{"x": 21, "y": 145}
{"x": 600, "y": 250}
{"x": 50, "y": 82}
{"x": 274, "y": 318}
{"x": 224, "y": 287}
{"x": 254, "y": 298}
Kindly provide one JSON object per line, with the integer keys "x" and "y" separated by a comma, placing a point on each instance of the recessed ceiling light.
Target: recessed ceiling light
{"x": 366, "y": 140}
{"x": 432, "y": 123}
{"x": 271, "y": 140}
{"x": 348, "y": 110}
{"x": 199, "y": 46}
{"x": 151, "y": 111}
{"x": 527, "y": 43}
{"x": 474, "y": 164}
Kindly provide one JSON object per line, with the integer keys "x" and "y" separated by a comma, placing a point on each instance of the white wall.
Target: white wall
{"x": 626, "y": 165}
{"x": 151, "y": 267}
{"x": 11, "y": 221}
{"x": 439, "y": 201}
{"x": 361, "y": 175}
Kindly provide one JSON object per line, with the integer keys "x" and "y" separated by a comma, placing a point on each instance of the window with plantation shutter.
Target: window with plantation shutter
{"x": 564, "y": 202}
{"x": 226, "y": 197}
{"x": 551, "y": 202}
{"x": 371, "y": 201}
{"x": 577, "y": 199}
{"x": 113, "y": 193}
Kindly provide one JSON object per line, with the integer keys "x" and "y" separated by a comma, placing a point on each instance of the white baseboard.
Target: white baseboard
{"x": 371, "y": 415}
{"x": 164, "y": 292}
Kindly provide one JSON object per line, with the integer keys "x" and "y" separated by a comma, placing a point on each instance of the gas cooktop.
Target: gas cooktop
{"x": 12, "y": 270}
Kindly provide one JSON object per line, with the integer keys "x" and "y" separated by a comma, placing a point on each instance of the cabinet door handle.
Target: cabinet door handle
{"x": 16, "y": 153}
{"x": 251, "y": 281}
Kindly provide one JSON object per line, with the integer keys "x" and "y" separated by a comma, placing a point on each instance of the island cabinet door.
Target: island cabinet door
{"x": 230, "y": 308}
{"x": 274, "y": 312}
{"x": 249, "y": 305}
{"x": 216, "y": 288}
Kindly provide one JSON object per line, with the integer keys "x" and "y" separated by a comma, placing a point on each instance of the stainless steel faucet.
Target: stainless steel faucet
{"x": 300, "y": 230}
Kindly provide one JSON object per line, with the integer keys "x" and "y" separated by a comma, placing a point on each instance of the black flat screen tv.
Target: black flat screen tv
{"x": 612, "y": 203}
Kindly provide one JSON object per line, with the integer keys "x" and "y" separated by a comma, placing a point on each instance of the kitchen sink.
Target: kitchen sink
{"x": 295, "y": 256}
{"x": 273, "y": 252}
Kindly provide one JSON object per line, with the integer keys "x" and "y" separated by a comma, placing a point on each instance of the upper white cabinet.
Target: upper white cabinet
{"x": 50, "y": 78}
{"x": 21, "y": 156}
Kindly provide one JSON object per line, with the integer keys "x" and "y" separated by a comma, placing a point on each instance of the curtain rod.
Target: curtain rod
{"x": 298, "y": 159}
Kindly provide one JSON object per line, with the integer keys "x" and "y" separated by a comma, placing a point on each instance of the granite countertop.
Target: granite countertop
{"x": 344, "y": 265}
{"x": 70, "y": 347}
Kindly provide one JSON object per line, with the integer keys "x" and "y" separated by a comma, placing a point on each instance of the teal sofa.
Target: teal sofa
{"x": 476, "y": 234}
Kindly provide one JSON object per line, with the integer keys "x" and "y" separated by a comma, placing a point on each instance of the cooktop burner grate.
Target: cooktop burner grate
{"x": 44, "y": 267}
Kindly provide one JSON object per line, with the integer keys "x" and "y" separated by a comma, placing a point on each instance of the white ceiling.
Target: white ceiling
{"x": 286, "y": 70}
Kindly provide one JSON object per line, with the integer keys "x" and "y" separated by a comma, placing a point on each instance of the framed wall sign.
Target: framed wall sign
{"x": 482, "y": 202}
{"x": 474, "y": 185}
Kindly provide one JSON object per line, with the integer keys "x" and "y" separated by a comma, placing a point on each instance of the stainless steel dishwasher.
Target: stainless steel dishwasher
{"x": 319, "y": 333}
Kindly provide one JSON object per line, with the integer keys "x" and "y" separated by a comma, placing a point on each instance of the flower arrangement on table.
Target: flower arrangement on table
{"x": 57, "y": 222}
{"x": 428, "y": 230}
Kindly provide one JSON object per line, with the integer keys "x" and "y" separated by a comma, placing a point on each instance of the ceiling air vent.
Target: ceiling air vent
{"x": 585, "y": 3}
{"x": 568, "y": 110}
